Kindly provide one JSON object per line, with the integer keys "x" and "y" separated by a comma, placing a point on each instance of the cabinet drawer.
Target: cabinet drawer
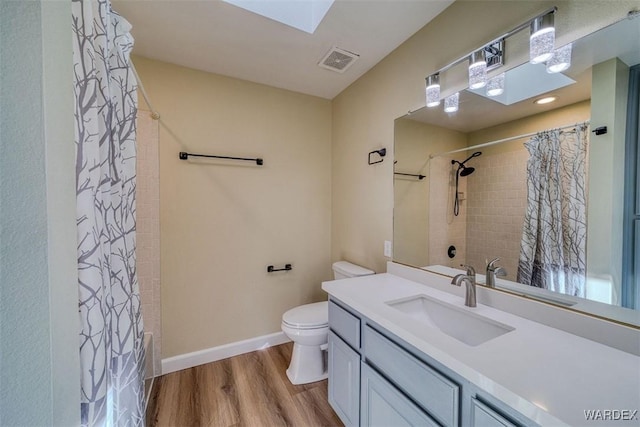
{"x": 345, "y": 324}
{"x": 483, "y": 415}
{"x": 438, "y": 395}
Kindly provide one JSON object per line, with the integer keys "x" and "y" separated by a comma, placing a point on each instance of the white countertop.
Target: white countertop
{"x": 546, "y": 374}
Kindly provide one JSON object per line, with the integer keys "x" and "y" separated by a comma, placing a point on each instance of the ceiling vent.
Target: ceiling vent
{"x": 338, "y": 60}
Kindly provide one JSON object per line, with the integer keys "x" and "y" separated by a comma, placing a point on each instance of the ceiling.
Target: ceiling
{"x": 217, "y": 37}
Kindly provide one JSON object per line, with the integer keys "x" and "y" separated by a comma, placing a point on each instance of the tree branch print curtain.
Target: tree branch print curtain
{"x": 111, "y": 339}
{"x": 554, "y": 238}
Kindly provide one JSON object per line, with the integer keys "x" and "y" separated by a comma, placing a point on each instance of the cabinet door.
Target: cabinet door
{"x": 484, "y": 416}
{"x": 383, "y": 405}
{"x": 344, "y": 381}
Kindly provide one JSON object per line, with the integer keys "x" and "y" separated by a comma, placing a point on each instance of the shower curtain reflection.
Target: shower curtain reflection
{"x": 553, "y": 247}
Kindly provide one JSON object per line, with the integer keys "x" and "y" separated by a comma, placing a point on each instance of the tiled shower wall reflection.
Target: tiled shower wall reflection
{"x": 445, "y": 229}
{"x": 496, "y": 204}
{"x": 148, "y": 229}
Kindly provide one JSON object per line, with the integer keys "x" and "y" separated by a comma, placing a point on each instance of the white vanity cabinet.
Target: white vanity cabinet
{"x": 375, "y": 379}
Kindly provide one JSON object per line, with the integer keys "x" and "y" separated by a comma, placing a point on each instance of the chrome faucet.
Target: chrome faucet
{"x": 470, "y": 282}
{"x": 493, "y": 271}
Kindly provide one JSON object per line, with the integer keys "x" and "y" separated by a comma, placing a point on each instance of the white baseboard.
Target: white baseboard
{"x": 189, "y": 360}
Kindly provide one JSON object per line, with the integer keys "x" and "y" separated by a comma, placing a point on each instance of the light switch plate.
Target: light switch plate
{"x": 387, "y": 248}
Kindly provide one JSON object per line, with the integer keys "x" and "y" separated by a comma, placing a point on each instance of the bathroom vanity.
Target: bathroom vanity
{"x": 407, "y": 353}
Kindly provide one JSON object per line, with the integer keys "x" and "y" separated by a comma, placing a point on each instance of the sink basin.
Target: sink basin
{"x": 463, "y": 325}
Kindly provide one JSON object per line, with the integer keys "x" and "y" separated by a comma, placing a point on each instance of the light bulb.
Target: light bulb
{"x": 542, "y": 39}
{"x": 495, "y": 86}
{"x": 477, "y": 69}
{"x": 433, "y": 90}
{"x": 451, "y": 103}
{"x": 561, "y": 59}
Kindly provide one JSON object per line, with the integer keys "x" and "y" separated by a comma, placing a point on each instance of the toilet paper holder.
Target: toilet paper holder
{"x": 287, "y": 267}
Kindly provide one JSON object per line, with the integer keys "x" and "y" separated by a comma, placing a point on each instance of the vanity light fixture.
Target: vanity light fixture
{"x": 495, "y": 86}
{"x": 433, "y": 90}
{"x": 451, "y": 103}
{"x": 491, "y": 56}
{"x": 477, "y": 69}
{"x": 561, "y": 59}
{"x": 545, "y": 100}
{"x": 542, "y": 38}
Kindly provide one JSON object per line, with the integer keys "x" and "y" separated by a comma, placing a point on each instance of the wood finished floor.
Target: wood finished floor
{"x": 248, "y": 390}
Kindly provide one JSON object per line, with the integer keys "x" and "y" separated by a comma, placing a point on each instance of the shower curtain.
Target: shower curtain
{"x": 111, "y": 336}
{"x": 554, "y": 238}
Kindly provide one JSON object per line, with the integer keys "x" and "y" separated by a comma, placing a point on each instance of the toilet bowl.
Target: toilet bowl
{"x": 308, "y": 327}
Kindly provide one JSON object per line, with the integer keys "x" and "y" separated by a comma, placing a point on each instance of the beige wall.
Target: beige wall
{"x": 221, "y": 222}
{"x": 570, "y": 114}
{"x": 363, "y": 114}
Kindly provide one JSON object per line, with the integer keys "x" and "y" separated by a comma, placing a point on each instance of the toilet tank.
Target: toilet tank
{"x": 344, "y": 270}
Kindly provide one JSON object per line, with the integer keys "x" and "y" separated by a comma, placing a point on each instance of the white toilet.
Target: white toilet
{"x": 308, "y": 327}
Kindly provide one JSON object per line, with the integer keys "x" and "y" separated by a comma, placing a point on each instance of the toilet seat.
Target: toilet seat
{"x": 308, "y": 316}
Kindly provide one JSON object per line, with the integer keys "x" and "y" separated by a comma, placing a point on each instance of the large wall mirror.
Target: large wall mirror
{"x": 468, "y": 188}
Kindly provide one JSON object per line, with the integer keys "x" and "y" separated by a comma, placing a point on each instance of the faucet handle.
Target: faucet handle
{"x": 500, "y": 272}
{"x": 491, "y": 264}
{"x": 470, "y": 270}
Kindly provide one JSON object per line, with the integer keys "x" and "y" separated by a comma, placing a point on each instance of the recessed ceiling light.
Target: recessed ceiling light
{"x": 545, "y": 100}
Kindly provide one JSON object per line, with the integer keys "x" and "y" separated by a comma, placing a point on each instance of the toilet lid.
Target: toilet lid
{"x": 308, "y": 316}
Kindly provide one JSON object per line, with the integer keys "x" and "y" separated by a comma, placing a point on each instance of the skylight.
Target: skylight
{"x": 304, "y": 15}
{"x": 527, "y": 81}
